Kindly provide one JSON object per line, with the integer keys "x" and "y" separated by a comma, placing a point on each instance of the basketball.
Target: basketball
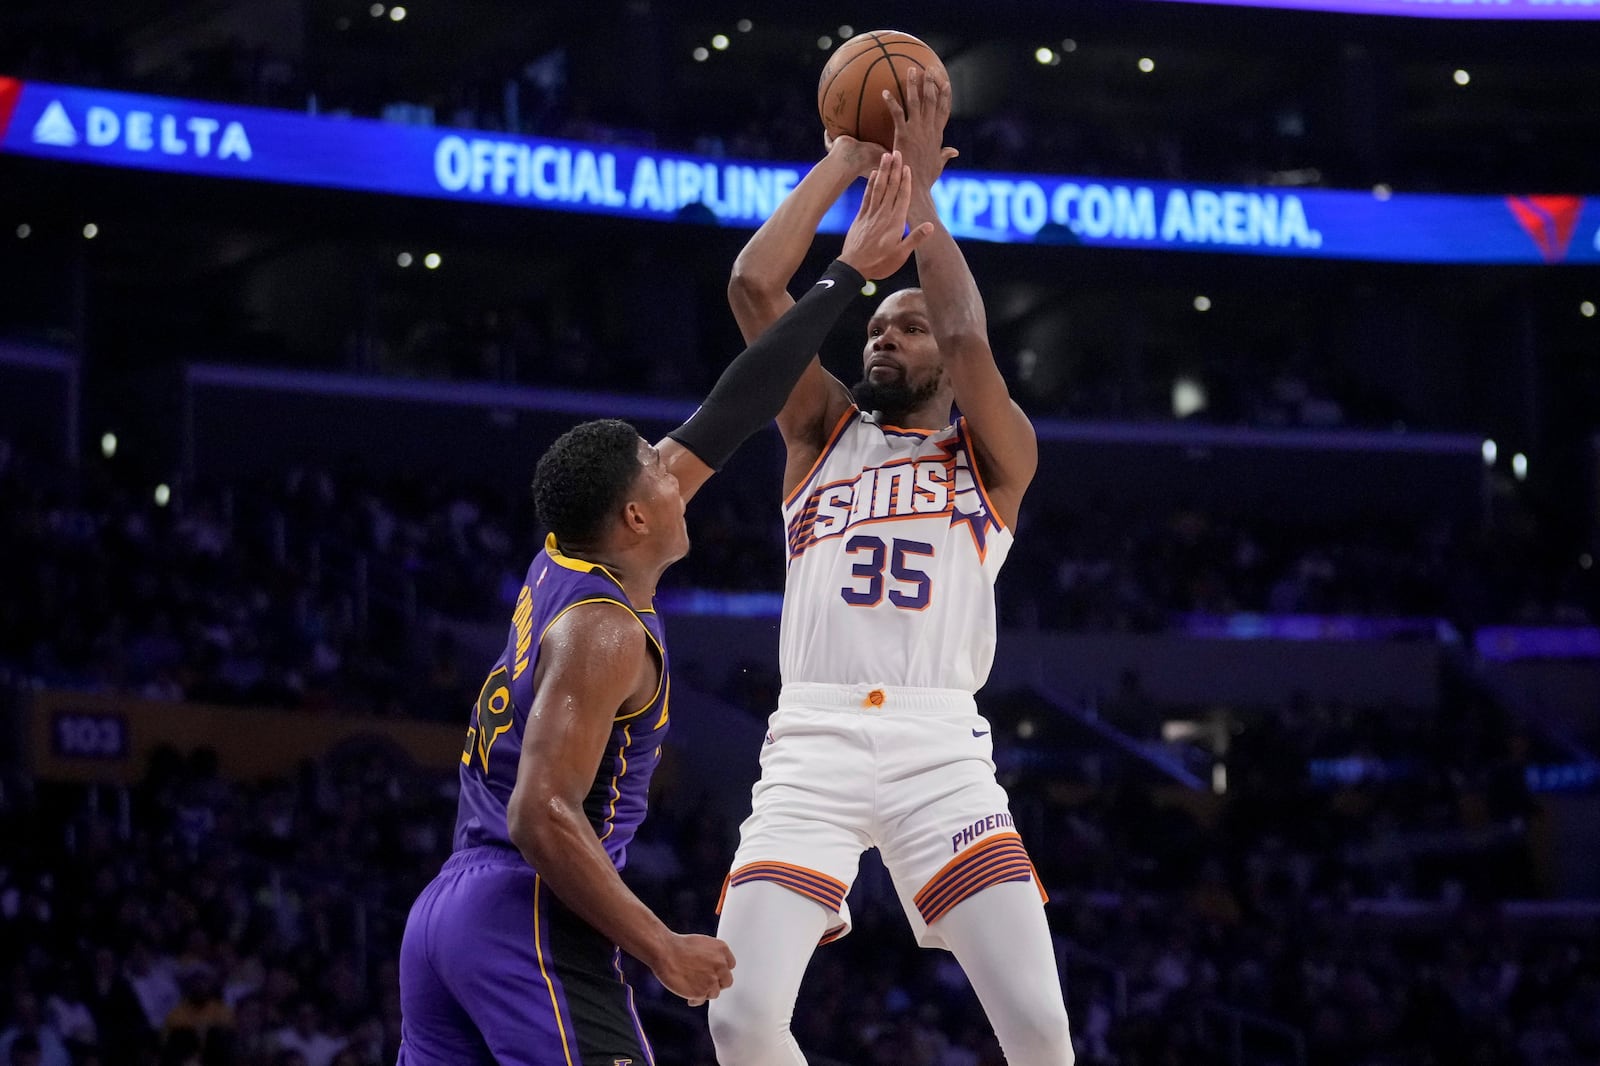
{"x": 850, "y": 91}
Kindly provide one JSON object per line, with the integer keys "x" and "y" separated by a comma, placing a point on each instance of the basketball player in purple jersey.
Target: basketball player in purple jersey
{"x": 898, "y": 517}
{"x": 512, "y": 954}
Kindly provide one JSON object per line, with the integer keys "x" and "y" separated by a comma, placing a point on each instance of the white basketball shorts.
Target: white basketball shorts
{"x": 909, "y": 771}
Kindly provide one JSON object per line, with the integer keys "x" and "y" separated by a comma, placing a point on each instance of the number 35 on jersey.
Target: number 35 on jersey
{"x": 893, "y": 549}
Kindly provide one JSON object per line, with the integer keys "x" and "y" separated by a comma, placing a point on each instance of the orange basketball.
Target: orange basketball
{"x": 850, "y": 92}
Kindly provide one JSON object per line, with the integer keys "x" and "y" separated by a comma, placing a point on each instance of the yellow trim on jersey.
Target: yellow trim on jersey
{"x": 666, "y": 704}
{"x": 661, "y": 674}
{"x": 616, "y": 793}
{"x": 832, "y": 442}
{"x": 977, "y": 473}
{"x": 538, "y": 947}
{"x": 568, "y": 562}
{"x": 660, "y": 651}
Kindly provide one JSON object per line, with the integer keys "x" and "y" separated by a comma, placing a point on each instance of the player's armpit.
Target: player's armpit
{"x": 594, "y": 663}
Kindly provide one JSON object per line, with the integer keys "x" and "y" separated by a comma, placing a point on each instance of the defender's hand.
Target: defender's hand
{"x": 695, "y": 967}
{"x": 877, "y": 244}
{"x": 919, "y": 126}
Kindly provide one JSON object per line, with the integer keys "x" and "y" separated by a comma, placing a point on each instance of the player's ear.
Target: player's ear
{"x": 633, "y": 517}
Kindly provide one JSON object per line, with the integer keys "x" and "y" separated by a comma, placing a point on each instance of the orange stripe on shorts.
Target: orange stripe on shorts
{"x": 828, "y": 891}
{"x": 1000, "y": 859}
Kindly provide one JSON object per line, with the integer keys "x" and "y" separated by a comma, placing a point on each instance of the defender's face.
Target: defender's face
{"x": 660, "y": 498}
{"x": 900, "y": 348}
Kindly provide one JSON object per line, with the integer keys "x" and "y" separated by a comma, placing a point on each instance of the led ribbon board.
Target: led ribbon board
{"x": 1444, "y": 9}
{"x": 74, "y": 125}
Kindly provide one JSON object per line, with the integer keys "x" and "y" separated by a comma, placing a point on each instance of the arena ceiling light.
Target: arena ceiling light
{"x": 1461, "y": 77}
{"x": 1455, "y": 9}
{"x": 1188, "y": 397}
{"x": 1146, "y": 64}
{"x": 1586, "y": 309}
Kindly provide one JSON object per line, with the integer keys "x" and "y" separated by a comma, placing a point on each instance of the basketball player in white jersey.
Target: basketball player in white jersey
{"x": 898, "y": 520}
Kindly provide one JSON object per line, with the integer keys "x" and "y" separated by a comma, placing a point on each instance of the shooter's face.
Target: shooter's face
{"x": 900, "y": 364}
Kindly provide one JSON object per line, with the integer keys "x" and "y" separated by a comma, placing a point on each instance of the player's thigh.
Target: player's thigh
{"x": 596, "y": 998}
{"x": 811, "y": 813}
{"x": 799, "y": 848}
{"x": 816, "y": 767}
{"x": 540, "y": 985}
{"x": 434, "y": 1029}
{"x": 953, "y": 840}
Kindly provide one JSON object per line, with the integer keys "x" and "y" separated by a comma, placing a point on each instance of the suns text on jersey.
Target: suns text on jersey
{"x": 912, "y": 487}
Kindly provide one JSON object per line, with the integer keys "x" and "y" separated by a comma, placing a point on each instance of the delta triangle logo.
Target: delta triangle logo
{"x": 1549, "y": 220}
{"x": 55, "y": 128}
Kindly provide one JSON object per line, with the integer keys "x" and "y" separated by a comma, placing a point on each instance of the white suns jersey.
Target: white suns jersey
{"x": 893, "y": 551}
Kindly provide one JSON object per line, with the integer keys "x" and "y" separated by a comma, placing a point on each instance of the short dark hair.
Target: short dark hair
{"x": 584, "y": 478}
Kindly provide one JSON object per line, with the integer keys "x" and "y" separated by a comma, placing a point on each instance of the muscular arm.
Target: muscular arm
{"x": 758, "y": 294}
{"x": 759, "y": 382}
{"x": 593, "y": 665}
{"x": 756, "y": 384}
{"x": 1008, "y": 450}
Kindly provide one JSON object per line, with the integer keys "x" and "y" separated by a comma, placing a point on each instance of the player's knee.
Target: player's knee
{"x": 743, "y": 1026}
{"x": 1040, "y": 1035}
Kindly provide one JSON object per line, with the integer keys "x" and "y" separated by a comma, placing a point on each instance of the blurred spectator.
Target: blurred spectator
{"x": 40, "y": 1042}
{"x": 305, "y": 1036}
{"x": 201, "y": 1012}
{"x": 154, "y": 983}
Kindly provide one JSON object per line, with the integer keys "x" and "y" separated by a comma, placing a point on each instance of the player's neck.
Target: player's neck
{"x": 929, "y": 416}
{"x": 637, "y": 576}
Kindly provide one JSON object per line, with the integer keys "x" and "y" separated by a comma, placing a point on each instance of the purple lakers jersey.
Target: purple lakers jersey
{"x": 616, "y": 802}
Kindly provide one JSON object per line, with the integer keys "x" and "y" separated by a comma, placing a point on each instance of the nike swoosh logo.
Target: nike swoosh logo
{"x": 980, "y": 732}
{"x": 826, "y": 283}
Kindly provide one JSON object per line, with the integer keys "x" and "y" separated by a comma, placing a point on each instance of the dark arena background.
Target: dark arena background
{"x": 1298, "y": 688}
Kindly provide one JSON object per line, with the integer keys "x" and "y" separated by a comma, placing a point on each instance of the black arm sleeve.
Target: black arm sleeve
{"x": 755, "y": 386}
